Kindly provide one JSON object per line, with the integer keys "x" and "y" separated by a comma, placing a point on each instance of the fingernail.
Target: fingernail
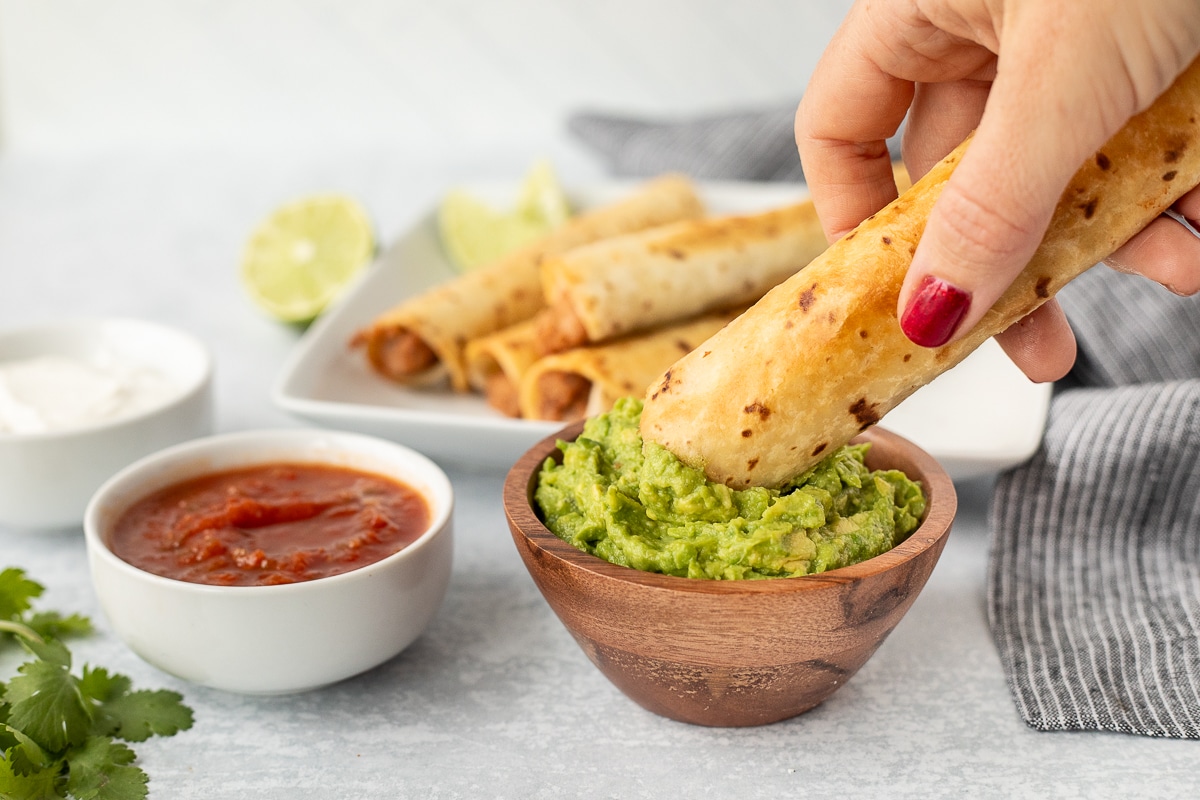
{"x": 934, "y": 312}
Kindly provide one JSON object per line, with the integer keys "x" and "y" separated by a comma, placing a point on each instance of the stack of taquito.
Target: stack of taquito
{"x": 426, "y": 336}
{"x": 597, "y": 309}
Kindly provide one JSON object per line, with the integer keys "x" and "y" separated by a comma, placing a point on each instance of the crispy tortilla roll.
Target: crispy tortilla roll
{"x": 588, "y": 380}
{"x": 496, "y": 362}
{"x": 822, "y": 357}
{"x": 659, "y": 276}
{"x": 411, "y": 340}
{"x": 656, "y": 277}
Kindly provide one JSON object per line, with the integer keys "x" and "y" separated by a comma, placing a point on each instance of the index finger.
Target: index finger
{"x": 848, "y": 111}
{"x": 862, "y": 88}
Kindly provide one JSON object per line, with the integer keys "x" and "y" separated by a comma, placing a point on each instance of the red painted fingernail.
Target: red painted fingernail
{"x": 934, "y": 312}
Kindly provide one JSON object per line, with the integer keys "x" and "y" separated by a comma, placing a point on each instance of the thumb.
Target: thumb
{"x": 1041, "y": 121}
{"x": 982, "y": 231}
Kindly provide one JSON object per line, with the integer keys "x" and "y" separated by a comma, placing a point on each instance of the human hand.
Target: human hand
{"x": 1044, "y": 83}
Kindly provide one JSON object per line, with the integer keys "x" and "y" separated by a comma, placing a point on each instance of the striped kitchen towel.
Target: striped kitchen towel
{"x": 747, "y": 145}
{"x": 1094, "y": 575}
{"x": 733, "y": 146}
{"x": 1131, "y": 330}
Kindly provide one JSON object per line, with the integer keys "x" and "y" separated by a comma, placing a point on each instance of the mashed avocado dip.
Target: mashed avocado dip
{"x": 634, "y": 503}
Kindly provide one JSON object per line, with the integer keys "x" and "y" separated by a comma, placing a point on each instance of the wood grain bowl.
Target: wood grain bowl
{"x": 731, "y": 653}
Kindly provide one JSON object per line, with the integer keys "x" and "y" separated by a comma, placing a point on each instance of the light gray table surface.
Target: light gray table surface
{"x": 495, "y": 700}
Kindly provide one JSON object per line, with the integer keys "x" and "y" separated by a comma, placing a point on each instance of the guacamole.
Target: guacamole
{"x": 634, "y": 503}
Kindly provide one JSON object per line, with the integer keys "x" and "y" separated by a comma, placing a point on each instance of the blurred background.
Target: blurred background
{"x": 141, "y": 141}
{"x": 415, "y": 77}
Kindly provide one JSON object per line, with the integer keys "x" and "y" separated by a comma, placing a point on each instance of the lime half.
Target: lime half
{"x": 475, "y": 234}
{"x": 303, "y": 255}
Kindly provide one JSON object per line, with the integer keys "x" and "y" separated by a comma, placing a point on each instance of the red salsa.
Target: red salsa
{"x": 271, "y": 524}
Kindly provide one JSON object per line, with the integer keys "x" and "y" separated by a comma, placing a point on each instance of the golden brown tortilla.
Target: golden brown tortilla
{"x": 496, "y": 362}
{"x": 822, "y": 357}
{"x": 413, "y": 339}
{"x": 659, "y": 276}
{"x": 656, "y": 277}
{"x": 587, "y": 380}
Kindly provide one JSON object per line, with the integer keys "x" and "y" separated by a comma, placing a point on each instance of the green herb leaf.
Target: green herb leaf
{"x": 133, "y": 716}
{"x": 101, "y": 685}
{"x": 16, "y": 592}
{"x": 51, "y": 651}
{"x": 100, "y": 770}
{"x": 55, "y": 728}
{"x": 45, "y": 703}
{"x": 140, "y": 715}
{"x": 52, "y": 625}
{"x": 40, "y": 785}
{"x": 7, "y": 739}
{"x": 23, "y": 762}
{"x": 25, "y": 754}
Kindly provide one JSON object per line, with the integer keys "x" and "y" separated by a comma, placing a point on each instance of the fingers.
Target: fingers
{"x": 942, "y": 115}
{"x": 1042, "y": 344}
{"x": 1164, "y": 251}
{"x": 843, "y": 145}
{"x": 1071, "y": 75}
{"x": 863, "y": 86}
{"x": 995, "y": 208}
{"x": 1189, "y": 206}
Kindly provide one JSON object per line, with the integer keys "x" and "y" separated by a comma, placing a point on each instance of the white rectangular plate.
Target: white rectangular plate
{"x": 980, "y": 417}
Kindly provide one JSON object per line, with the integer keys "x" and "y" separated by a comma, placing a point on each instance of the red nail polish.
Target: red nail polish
{"x": 934, "y": 312}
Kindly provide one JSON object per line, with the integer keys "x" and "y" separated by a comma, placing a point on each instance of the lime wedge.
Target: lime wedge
{"x": 475, "y": 234}
{"x": 300, "y": 258}
{"x": 541, "y": 199}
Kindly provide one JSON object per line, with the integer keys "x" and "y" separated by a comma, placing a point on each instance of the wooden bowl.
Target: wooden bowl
{"x": 731, "y": 653}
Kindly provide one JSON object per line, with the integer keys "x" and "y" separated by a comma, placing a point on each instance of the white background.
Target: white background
{"x": 87, "y": 76}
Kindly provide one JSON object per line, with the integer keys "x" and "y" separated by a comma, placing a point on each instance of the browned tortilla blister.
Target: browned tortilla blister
{"x": 822, "y": 357}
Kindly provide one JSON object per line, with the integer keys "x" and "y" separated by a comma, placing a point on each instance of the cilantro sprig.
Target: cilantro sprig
{"x": 59, "y": 731}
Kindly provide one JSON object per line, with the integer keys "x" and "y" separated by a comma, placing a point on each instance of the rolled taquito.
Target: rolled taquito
{"x": 584, "y": 381}
{"x": 496, "y": 362}
{"x": 822, "y": 357}
{"x": 656, "y": 277}
{"x": 431, "y": 330}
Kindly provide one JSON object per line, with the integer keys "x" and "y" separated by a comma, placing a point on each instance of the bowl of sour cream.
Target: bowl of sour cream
{"x": 80, "y": 399}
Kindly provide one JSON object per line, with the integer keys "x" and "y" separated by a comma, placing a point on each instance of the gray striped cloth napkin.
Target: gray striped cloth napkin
{"x": 1094, "y": 575}
{"x": 746, "y": 145}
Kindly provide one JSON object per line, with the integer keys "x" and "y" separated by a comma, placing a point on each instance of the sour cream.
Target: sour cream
{"x": 53, "y": 393}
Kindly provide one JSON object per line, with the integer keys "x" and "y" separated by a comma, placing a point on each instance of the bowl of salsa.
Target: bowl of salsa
{"x": 269, "y": 562}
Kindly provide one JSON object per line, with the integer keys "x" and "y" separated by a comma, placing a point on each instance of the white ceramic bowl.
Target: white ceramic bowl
{"x": 274, "y": 639}
{"x": 47, "y": 478}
